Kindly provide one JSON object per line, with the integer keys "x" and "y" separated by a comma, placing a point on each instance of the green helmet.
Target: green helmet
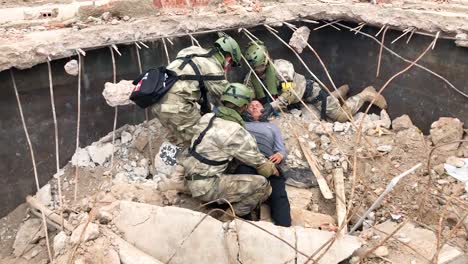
{"x": 238, "y": 94}
{"x": 256, "y": 54}
{"x": 226, "y": 44}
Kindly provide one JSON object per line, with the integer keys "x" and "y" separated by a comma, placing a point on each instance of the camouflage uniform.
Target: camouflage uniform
{"x": 178, "y": 110}
{"x": 333, "y": 111}
{"x": 226, "y": 140}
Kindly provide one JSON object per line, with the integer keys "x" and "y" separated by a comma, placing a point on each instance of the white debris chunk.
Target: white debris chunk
{"x": 299, "y": 39}
{"x": 126, "y": 137}
{"x": 381, "y": 251}
{"x": 385, "y": 148}
{"x": 71, "y": 67}
{"x": 44, "y": 195}
{"x": 91, "y": 233}
{"x": 26, "y": 235}
{"x": 61, "y": 241}
{"x": 81, "y": 158}
{"x": 100, "y": 153}
{"x": 118, "y": 93}
{"x": 401, "y": 123}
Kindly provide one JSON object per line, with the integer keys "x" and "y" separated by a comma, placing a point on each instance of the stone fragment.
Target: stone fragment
{"x": 141, "y": 141}
{"x": 381, "y": 251}
{"x": 106, "y": 16}
{"x": 454, "y": 161}
{"x": 384, "y": 120}
{"x": 118, "y": 93}
{"x": 299, "y": 39}
{"x": 91, "y": 233}
{"x": 339, "y": 127}
{"x": 401, "y": 123}
{"x": 81, "y": 158}
{"x": 114, "y": 21}
{"x": 71, "y": 67}
{"x": 61, "y": 241}
{"x": 384, "y": 148}
{"x": 446, "y": 130}
{"x": 30, "y": 232}
{"x": 324, "y": 140}
{"x": 439, "y": 169}
{"x": 44, "y": 195}
{"x": 324, "y": 128}
{"x": 99, "y": 153}
{"x": 125, "y": 18}
{"x": 126, "y": 137}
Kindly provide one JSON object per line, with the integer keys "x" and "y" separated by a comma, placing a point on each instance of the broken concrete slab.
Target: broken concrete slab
{"x": 255, "y": 245}
{"x": 422, "y": 240}
{"x": 143, "y": 225}
{"x": 310, "y": 240}
{"x": 29, "y": 233}
{"x": 299, "y": 198}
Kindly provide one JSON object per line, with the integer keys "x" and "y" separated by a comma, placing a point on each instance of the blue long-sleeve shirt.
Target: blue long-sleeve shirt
{"x": 268, "y": 136}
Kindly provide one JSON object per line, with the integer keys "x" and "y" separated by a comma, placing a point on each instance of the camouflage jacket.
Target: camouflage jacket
{"x": 285, "y": 71}
{"x": 225, "y": 140}
{"x": 190, "y": 90}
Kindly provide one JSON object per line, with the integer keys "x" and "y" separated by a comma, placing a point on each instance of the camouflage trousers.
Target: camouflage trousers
{"x": 179, "y": 116}
{"x": 244, "y": 191}
{"x": 350, "y": 107}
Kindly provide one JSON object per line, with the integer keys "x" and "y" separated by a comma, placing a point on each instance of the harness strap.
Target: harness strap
{"x": 322, "y": 96}
{"x": 196, "y": 155}
{"x": 205, "y": 105}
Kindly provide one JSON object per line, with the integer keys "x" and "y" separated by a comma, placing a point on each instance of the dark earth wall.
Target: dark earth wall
{"x": 350, "y": 58}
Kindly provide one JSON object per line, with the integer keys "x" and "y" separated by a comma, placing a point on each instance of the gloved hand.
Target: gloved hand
{"x": 267, "y": 169}
{"x": 266, "y": 112}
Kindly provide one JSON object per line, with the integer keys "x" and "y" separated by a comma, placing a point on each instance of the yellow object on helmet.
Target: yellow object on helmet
{"x": 286, "y": 86}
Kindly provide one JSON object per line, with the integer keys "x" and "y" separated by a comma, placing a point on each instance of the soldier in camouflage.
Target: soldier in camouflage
{"x": 177, "y": 110}
{"x": 281, "y": 80}
{"x": 219, "y": 138}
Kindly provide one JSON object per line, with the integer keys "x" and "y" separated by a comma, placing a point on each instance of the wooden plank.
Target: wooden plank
{"x": 340, "y": 199}
{"x": 327, "y": 194}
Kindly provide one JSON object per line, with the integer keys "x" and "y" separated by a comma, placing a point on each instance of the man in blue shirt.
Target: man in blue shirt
{"x": 271, "y": 145}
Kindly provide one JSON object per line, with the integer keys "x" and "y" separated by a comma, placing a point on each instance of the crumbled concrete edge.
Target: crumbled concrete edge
{"x": 34, "y": 49}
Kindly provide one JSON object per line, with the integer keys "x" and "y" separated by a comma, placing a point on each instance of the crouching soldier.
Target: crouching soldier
{"x": 201, "y": 75}
{"x": 219, "y": 138}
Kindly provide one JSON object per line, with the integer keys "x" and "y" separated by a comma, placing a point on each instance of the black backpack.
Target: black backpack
{"x": 153, "y": 84}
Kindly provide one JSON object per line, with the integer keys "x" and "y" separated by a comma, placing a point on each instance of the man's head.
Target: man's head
{"x": 257, "y": 56}
{"x": 229, "y": 48}
{"x": 237, "y": 96}
{"x": 255, "y": 110}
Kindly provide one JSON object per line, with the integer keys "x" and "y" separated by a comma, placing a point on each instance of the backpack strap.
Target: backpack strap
{"x": 205, "y": 105}
{"x": 322, "y": 97}
{"x": 196, "y": 155}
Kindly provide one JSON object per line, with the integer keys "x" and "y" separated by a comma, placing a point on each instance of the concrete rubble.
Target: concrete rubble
{"x": 118, "y": 93}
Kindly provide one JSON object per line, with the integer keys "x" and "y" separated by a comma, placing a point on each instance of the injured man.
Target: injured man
{"x": 270, "y": 143}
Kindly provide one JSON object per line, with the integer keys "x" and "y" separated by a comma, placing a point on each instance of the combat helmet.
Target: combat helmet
{"x": 238, "y": 94}
{"x": 226, "y": 44}
{"x": 256, "y": 54}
